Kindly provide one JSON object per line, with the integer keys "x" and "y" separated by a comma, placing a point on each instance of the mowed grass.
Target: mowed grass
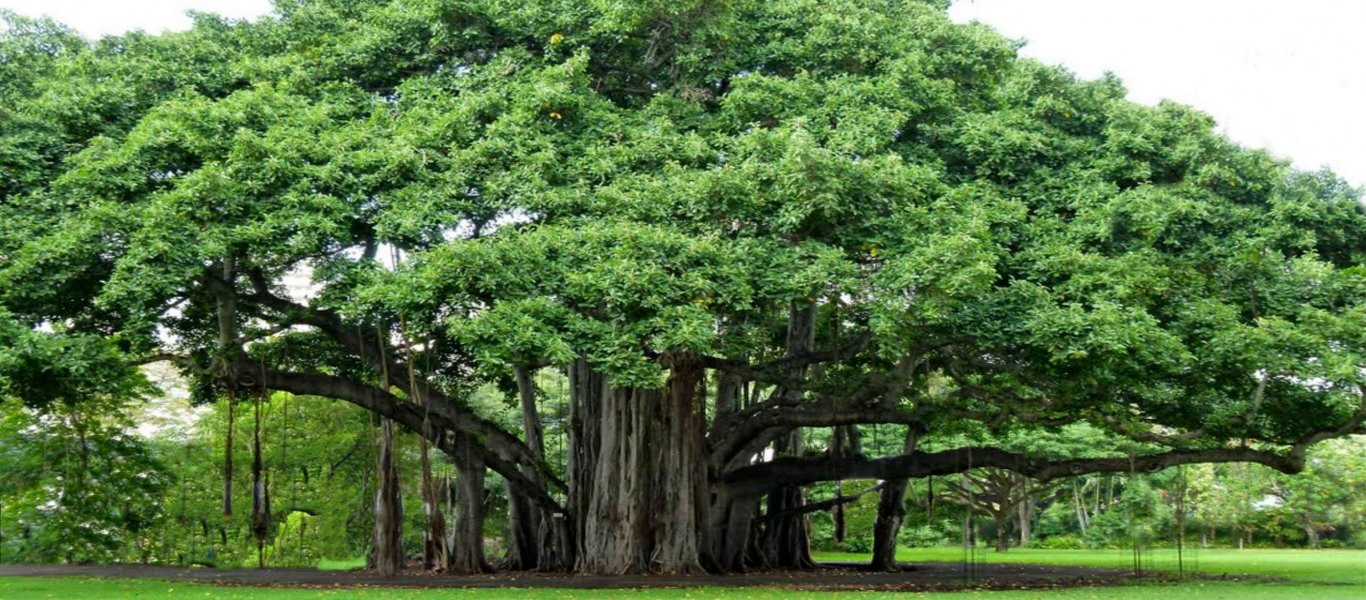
{"x": 328, "y": 564}
{"x": 34, "y": 588}
{"x": 1319, "y": 575}
{"x": 1301, "y": 566}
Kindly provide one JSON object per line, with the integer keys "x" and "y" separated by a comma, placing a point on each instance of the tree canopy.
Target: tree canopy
{"x": 753, "y": 217}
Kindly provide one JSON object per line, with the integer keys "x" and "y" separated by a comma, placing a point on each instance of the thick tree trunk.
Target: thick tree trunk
{"x": 435, "y": 552}
{"x": 386, "y": 555}
{"x": 729, "y": 393}
{"x": 1026, "y": 516}
{"x": 523, "y": 533}
{"x": 587, "y": 393}
{"x": 891, "y": 511}
{"x": 639, "y": 474}
{"x": 680, "y": 474}
{"x": 467, "y": 541}
{"x": 615, "y": 526}
{"x": 524, "y": 518}
{"x": 556, "y": 542}
{"x": 729, "y": 530}
{"x": 786, "y": 543}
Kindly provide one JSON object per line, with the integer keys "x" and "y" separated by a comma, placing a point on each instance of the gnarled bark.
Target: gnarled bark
{"x": 891, "y": 511}
{"x": 587, "y": 391}
{"x": 638, "y": 473}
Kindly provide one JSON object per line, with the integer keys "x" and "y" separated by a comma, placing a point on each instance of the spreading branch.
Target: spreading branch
{"x": 495, "y": 443}
{"x": 794, "y": 471}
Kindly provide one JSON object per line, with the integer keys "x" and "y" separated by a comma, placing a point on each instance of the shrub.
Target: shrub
{"x": 1060, "y": 542}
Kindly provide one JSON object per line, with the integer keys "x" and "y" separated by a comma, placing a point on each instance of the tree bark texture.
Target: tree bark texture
{"x": 729, "y": 533}
{"x": 467, "y": 540}
{"x": 638, "y": 473}
{"x": 785, "y": 541}
{"x": 527, "y": 534}
{"x": 891, "y": 511}
{"x": 386, "y": 555}
{"x": 1026, "y": 517}
{"x": 435, "y": 552}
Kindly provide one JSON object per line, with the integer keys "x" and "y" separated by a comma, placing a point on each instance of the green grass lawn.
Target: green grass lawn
{"x": 22, "y": 588}
{"x": 1321, "y": 575}
{"x": 1305, "y": 566}
{"x": 340, "y": 565}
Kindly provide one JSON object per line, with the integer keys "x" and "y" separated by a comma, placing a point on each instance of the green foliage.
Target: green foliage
{"x": 1061, "y": 542}
{"x": 46, "y": 368}
{"x": 859, "y": 516}
{"x": 76, "y": 486}
{"x": 612, "y": 182}
{"x": 318, "y": 458}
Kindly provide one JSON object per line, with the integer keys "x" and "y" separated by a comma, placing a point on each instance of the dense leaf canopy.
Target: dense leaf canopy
{"x": 492, "y": 185}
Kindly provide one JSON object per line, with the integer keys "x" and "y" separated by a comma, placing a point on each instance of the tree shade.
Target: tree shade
{"x": 727, "y": 222}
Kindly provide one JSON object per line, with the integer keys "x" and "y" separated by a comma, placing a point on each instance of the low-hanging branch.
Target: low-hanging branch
{"x": 792, "y": 471}
{"x": 775, "y": 371}
{"x": 500, "y": 450}
{"x": 754, "y": 427}
{"x": 502, "y": 446}
{"x": 734, "y": 437}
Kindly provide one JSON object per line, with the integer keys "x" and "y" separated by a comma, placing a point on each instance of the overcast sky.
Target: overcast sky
{"x": 1285, "y": 75}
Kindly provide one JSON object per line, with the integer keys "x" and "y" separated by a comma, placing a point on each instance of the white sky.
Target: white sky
{"x": 1287, "y": 75}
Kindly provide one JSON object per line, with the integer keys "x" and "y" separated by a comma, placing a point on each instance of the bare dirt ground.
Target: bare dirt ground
{"x": 924, "y": 576}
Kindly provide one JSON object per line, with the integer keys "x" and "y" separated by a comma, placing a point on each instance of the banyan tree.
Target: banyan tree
{"x": 728, "y": 223}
